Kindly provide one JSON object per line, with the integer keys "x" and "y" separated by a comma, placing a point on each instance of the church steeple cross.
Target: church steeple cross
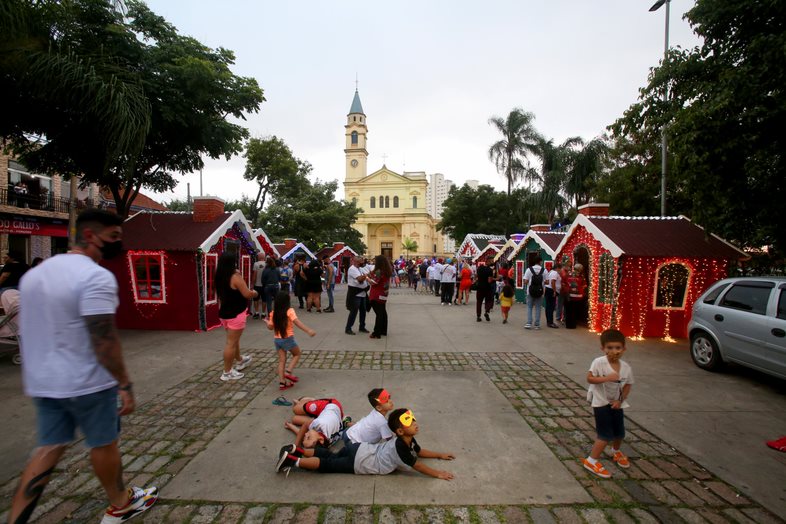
{"x": 384, "y": 158}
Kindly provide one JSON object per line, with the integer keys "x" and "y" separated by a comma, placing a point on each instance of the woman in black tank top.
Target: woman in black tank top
{"x": 233, "y": 296}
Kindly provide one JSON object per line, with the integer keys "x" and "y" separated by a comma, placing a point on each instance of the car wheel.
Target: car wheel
{"x": 704, "y": 352}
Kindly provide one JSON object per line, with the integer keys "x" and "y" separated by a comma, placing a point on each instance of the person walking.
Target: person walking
{"x": 438, "y": 267}
{"x": 423, "y": 272}
{"x": 551, "y": 290}
{"x": 270, "y": 281}
{"x": 534, "y": 278}
{"x": 256, "y": 278}
{"x": 486, "y": 283}
{"x": 357, "y": 290}
{"x": 73, "y": 367}
{"x": 448, "y": 281}
{"x": 465, "y": 284}
{"x": 330, "y": 282}
{"x": 378, "y": 295}
{"x": 233, "y": 296}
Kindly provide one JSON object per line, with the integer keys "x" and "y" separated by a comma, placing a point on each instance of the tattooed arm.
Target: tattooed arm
{"x": 106, "y": 344}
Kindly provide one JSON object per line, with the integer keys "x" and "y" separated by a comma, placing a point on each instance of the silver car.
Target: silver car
{"x": 741, "y": 320}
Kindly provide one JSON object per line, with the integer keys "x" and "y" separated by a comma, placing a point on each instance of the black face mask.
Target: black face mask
{"x": 111, "y": 249}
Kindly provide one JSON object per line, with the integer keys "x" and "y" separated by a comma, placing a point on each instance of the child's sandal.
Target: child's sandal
{"x": 285, "y": 385}
{"x": 289, "y": 376}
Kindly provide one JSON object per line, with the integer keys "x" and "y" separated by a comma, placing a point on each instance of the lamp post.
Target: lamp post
{"x": 663, "y": 147}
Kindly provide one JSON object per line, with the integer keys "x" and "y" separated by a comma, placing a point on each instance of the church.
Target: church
{"x": 393, "y": 205}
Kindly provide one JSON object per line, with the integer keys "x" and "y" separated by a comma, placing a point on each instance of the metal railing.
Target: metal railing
{"x": 44, "y": 202}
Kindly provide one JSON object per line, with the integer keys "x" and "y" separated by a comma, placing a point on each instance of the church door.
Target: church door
{"x": 386, "y": 250}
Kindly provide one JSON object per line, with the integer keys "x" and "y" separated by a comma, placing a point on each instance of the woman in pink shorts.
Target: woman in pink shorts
{"x": 233, "y": 297}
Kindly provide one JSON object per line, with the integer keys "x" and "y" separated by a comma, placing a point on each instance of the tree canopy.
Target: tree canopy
{"x": 186, "y": 92}
{"x": 724, "y": 120}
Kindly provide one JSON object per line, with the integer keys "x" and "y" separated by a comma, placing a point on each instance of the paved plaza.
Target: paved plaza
{"x": 509, "y": 403}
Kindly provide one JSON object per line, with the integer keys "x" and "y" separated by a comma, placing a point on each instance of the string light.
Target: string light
{"x": 630, "y": 301}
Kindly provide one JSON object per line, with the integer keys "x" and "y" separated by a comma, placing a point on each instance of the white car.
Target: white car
{"x": 741, "y": 320}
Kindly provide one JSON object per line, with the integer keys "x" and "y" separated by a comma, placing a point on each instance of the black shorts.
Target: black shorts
{"x": 261, "y": 291}
{"x": 609, "y": 423}
{"x": 341, "y": 462}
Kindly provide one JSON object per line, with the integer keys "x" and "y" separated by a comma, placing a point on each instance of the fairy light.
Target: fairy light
{"x": 635, "y": 282}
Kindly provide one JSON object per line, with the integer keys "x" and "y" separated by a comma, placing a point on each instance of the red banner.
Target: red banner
{"x": 21, "y": 226}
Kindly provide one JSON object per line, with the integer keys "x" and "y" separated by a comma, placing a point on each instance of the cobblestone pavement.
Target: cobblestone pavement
{"x": 661, "y": 485}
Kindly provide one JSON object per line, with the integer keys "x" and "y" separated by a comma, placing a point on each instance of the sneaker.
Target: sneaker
{"x": 504, "y": 320}
{"x": 555, "y": 326}
{"x": 621, "y": 460}
{"x": 478, "y": 319}
{"x": 289, "y": 448}
{"x": 256, "y": 315}
{"x": 596, "y": 468}
{"x": 537, "y": 327}
{"x": 232, "y": 375}
{"x": 527, "y": 326}
{"x": 244, "y": 360}
{"x": 346, "y": 422}
{"x": 488, "y": 318}
{"x": 349, "y": 332}
{"x": 363, "y": 330}
{"x": 285, "y": 462}
{"x": 139, "y": 500}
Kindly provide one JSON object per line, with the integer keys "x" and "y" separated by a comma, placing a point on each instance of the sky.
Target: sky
{"x": 430, "y": 75}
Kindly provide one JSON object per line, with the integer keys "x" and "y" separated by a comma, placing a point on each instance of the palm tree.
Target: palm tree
{"x": 519, "y": 139}
{"x": 554, "y": 160}
{"x": 584, "y": 167}
{"x": 409, "y": 245}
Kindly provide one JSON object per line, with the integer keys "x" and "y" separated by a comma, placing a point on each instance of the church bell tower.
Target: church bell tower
{"x": 355, "y": 151}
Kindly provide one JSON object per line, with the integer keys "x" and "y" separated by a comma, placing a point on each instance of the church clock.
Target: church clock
{"x": 354, "y": 163}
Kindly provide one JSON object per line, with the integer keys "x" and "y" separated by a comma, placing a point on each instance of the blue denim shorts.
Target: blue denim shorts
{"x": 285, "y": 344}
{"x": 609, "y": 423}
{"x": 95, "y": 415}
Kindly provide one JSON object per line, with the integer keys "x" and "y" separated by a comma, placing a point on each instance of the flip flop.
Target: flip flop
{"x": 282, "y": 401}
{"x": 285, "y": 385}
{"x": 290, "y": 376}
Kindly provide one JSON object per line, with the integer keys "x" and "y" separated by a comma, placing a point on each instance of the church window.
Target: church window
{"x": 373, "y": 202}
{"x": 387, "y": 201}
{"x": 395, "y": 201}
{"x": 354, "y": 138}
{"x": 414, "y": 202}
{"x": 381, "y": 201}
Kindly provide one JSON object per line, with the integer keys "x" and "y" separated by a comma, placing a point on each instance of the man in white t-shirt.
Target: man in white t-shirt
{"x": 535, "y": 274}
{"x": 438, "y": 267}
{"x": 551, "y": 287}
{"x": 256, "y": 276}
{"x": 72, "y": 366}
{"x": 357, "y": 294}
{"x": 448, "y": 282}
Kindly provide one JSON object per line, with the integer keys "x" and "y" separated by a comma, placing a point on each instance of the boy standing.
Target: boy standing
{"x": 610, "y": 381}
{"x": 383, "y": 458}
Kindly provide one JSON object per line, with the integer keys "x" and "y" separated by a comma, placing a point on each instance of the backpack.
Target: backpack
{"x": 536, "y": 285}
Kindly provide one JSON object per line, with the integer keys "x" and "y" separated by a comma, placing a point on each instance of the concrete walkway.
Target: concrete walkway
{"x": 696, "y": 438}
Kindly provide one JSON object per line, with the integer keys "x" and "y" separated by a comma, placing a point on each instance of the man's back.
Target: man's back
{"x": 58, "y": 356}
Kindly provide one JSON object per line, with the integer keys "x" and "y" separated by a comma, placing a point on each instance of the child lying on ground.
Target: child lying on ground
{"x": 317, "y": 422}
{"x": 374, "y": 426}
{"x": 382, "y": 458}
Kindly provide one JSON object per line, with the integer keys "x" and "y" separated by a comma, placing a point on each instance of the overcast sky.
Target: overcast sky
{"x": 431, "y": 74}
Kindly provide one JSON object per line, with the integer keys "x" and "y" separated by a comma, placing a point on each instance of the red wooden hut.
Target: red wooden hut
{"x": 340, "y": 255}
{"x": 165, "y": 275}
{"x": 268, "y": 248}
{"x": 644, "y": 273}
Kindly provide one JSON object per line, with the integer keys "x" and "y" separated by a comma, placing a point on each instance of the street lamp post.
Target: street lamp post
{"x": 663, "y": 147}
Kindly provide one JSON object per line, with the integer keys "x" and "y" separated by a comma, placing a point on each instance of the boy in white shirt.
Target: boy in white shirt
{"x": 610, "y": 382}
{"x": 374, "y": 426}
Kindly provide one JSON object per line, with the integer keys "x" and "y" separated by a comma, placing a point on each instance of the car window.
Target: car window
{"x": 782, "y": 304}
{"x": 752, "y": 298}
{"x": 712, "y": 296}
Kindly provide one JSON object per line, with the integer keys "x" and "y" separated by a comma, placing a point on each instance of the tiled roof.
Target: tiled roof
{"x": 551, "y": 238}
{"x": 139, "y": 203}
{"x": 663, "y": 237}
{"x": 174, "y": 231}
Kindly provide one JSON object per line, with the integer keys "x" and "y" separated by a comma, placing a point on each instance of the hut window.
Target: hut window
{"x": 671, "y": 286}
{"x": 147, "y": 276}
{"x": 373, "y": 202}
{"x": 211, "y": 261}
{"x": 606, "y": 276}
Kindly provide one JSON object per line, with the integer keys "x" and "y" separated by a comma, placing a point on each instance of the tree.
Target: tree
{"x": 60, "y": 86}
{"x": 188, "y": 87}
{"x": 269, "y": 162}
{"x": 313, "y": 216}
{"x": 409, "y": 245}
{"x": 724, "y": 119}
{"x": 584, "y": 167}
{"x": 482, "y": 210}
{"x": 519, "y": 140}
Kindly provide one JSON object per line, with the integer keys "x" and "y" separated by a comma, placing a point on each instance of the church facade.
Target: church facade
{"x": 393, "y": 205}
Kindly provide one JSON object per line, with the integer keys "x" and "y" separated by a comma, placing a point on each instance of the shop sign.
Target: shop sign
{"x": 26, "y": 226}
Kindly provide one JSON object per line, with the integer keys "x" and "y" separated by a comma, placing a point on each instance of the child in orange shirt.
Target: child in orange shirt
{"x": 506, "y": 301}
{"x": 281, "y": 321}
